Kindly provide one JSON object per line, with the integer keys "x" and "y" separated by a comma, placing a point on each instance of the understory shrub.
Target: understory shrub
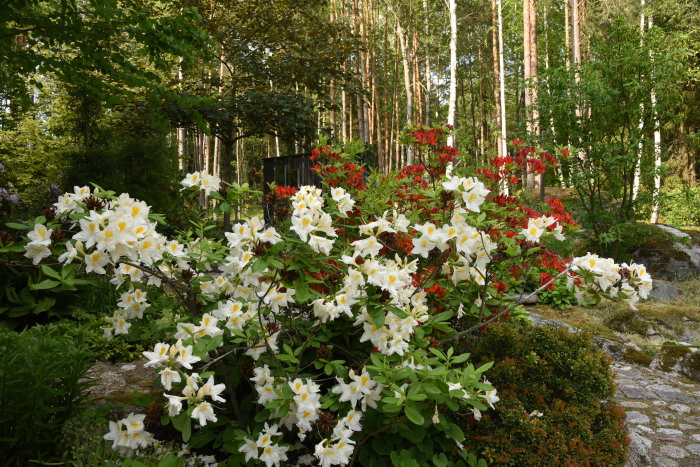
{"x": 42, "y": 384}
{"x": 682, "y": 208}
{"x": 554, "y": 409}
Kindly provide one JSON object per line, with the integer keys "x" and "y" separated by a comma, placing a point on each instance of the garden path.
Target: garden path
{"x": 663, "y": 416}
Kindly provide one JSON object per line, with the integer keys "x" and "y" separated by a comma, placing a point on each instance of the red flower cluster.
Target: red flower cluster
{"x": 285, "y": 191}
{"x": 426, "y": 136}
{"x": 346, "y": 175}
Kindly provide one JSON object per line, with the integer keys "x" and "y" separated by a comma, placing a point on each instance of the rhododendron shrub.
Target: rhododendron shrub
{"x": 300, "y": 341}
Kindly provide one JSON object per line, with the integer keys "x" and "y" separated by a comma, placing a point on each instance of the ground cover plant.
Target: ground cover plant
{"x": 320, "y": 338}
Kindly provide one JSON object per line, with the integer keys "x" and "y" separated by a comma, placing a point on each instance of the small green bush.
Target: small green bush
{"x": 682, "y": 208}
{"x": 560, "y": 375}
{"x": 42, "y": 384}
{"x": 560, "y": 296}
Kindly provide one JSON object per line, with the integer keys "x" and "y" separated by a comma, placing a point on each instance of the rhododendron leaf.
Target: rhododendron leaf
{"x": 413, "y": 414}
{"x": 17, "y": 226}
{"x": 460, "y": 358}
{"x": 183, "y": 424}
{"x": 259, "y": 265}
{"x": 262, "y": 416}
{"x": 454, "y": 431}
{"x": 416, "y": 394}
{"x": 44, "y": 285}
{"x": 47, "y": 270}
{"x": 224, "y": 207}
{"x": 413, "y": 433}
{"x": 397, "y": 311}
{"x": 377, "y": 315}
{"x": 444, "y": 316}
{"x": 485, "y": 367}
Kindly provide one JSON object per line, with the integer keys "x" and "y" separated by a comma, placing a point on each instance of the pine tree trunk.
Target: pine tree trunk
{"x": 407, "y": 81}
{"x": 495, "y": 5}
{"x": 452, "y": 104}
{"x": 502, "y": 87}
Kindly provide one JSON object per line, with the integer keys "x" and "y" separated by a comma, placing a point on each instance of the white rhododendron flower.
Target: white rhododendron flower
{"x": 128, "y": 434}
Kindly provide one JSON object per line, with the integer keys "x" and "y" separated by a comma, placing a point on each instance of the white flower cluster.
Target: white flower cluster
{"x": 195, "y": 395}
{"x": 242, "y": 239}
{"x": 362, "y": 389}
{"x": 170, "y": 357}
{"x": 203, "y": 181}
{"x": 338, "y": 449}
{"x": 131, "y": 305}
{"x": 342, "y": 198}
{"x": 128, "y": 434}
{"x": 538, "y": 226}
{"x": 629, "y": 281}
{"x": 308, "y": 218}
{"x": 70, "y": 202}
{"x": 394, "y": 277}
{"x": 38, "y": 248}
{"x": 270, "y": 453}
{"x": 473, "y": 191}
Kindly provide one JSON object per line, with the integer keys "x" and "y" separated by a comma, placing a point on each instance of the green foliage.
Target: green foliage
{"x": 564, "y": 377}
{"x": 108, "y": 48}
{"x": 682, "y": 207}
{"x": 560, "y": 296}
{"x": 30, "y": 294}
{"x": 42, "y": 384}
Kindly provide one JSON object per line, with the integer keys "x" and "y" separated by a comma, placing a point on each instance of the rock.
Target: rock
{"x": 685, "y": 426}
{"x": 694, "y": 448}
{"x": 115, "y": 384}
{"x": 665, "y": 462}
{"x": 636, "y": 417}
{"x": 640, "y": 448}
{"x": 537, "y": 320}
{"x": 524, "y": 298}
{"x": 636, "y": 392}
{"x": 675, "y": 452}
{"x": 634, "y": 405}
{"x": 613, "y": 350}
{"x": 671, "y": 394}
{"x": 669, "y": 357}
{"x": 680, "y": 408}
{"x": 663, "y": 422}
{"x": 690, "y": 366}
{"x": 669, "y": 431}
{"x": 663, "y": 291}
{"x": 669, "y": 260}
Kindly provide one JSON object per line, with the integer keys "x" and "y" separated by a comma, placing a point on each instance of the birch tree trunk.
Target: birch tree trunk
{"x": 657, "y": 146}
{"x": 640, "y": 149}
{"x": 528, "y": 180}
{"x": 452, "y": 104}
{"x": 502, "y": 86}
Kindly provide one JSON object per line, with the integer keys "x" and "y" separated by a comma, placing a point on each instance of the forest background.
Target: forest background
{"x": 129, "y": 94}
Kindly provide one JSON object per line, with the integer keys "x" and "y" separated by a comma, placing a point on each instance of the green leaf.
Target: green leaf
{"x": 17, "y": 226}
{"x": 377, "y": 315}
{"x": 183, "y": 424}
{"x": 454, "y": 432}
{"x": 413, "y": 414}
{"x": 225, "y": 208}
{"x": 47, "y": 270}
{"x": 44, "y": 285}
